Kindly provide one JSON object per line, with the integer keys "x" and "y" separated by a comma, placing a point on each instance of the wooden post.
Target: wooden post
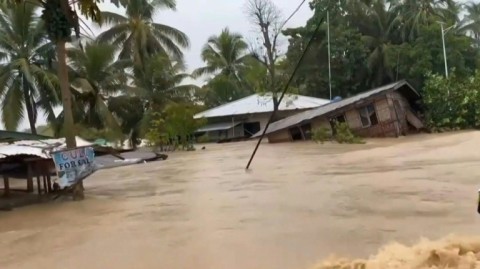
{"x": 45, "y": 187}
{"x": 29, "y": 178}
{"x": 6, "y": 184}
{"x": 49, "y": 182}
{"x": 301, "y": 132}
{"x": 39, "y": 185}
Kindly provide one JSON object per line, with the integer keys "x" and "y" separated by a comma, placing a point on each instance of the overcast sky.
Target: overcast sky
{"x": 200, "y": 19}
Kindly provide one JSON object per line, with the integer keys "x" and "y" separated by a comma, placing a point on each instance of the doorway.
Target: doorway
{"x": 251, "y": 128}
{"x": 296, "y": 133}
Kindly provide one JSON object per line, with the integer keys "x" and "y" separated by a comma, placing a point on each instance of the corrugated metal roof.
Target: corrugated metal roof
{"x": 260, "y": 104}
{"x": 313, "y": 113}
{"x": 9, "y": 136}
{"x": 38, "y": 148}
{"x": 218, "y": 127}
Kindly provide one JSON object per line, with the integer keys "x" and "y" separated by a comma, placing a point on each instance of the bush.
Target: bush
{"x": 452, "y": 103}
{"x": 173, "y": 127}
{"x": 203, "y": 139}
{"x": 345, "y": 136}
{"x": 321, "y": 135}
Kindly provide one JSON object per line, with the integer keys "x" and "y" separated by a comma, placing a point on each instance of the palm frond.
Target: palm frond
{"x": 173, "y": 34}
{"x": 13, "y": 107}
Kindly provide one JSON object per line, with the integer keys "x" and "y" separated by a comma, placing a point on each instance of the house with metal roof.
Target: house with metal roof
{"x": 387, "y": 111}
{"x": 247, "y": 116}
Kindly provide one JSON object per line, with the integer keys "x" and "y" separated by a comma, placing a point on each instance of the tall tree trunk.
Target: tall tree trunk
{"x": 276, "y": 104}
{"x": 68, "y": 124}
{"x": 28, "y": 105}
{"x": 66, "y": 95}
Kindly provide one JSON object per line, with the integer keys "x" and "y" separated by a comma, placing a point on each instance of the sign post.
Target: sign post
{"x": 73, "y": 165}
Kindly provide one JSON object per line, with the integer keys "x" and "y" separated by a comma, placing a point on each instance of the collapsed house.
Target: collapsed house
{"x": 387, "y": 111}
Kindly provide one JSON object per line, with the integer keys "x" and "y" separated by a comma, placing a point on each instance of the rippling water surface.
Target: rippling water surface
{"x": 300, "y": 203}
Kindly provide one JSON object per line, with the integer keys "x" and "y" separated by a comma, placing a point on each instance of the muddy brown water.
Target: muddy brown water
{"x": 299, "y": 203}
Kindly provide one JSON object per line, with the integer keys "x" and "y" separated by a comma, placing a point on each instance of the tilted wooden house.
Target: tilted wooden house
{"x": 387, "y": 111}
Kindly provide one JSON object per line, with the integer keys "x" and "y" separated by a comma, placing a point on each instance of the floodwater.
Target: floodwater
{"x": 299, "y": 203}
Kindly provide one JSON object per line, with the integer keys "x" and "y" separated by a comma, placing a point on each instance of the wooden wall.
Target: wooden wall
{"x": 400, "y": 110}
{"x": 391, "y": 118}
{"x": 386, "y": 126}
{"x": 280, "y": 136}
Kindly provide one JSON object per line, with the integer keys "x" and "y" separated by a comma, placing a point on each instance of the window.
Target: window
{"x": 368, "y": 116}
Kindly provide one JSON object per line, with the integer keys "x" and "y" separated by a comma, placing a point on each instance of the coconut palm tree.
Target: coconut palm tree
{"x": 413, "y": 14}
{"x": 25, "y": 82}
{"x": 225, "y": 54}
{"x": 96, "y": 76}
{"x": 139, "y": 36}
{"x": 471, "y": 22}
{"x": 378, "y": 26}
{"x": 161, "y": 83}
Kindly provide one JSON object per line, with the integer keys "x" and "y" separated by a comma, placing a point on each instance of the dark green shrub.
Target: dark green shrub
{"x": 320, "y": 135}
{"x": 345, "y": 136}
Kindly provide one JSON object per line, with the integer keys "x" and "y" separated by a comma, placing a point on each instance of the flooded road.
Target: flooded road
{"x": 299, "y": 203}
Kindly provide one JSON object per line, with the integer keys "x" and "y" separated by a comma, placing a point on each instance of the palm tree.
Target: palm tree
{"x": 26, "y": 83}
{"x": 413, "y": 14}
{"x": 225, "y": 54}
{"x": 96, "y": 76}
{"x": 139, "y": 36}
{"x": 471, "y": 22}
{"x": 378, "y": 26}
{"x": 161, "y": 83}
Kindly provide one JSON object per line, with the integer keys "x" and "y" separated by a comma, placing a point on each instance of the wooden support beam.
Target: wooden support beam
{"x": 29, "y": 177}
{"x": 6, "y": 184}
{"x": 39, "y": 185}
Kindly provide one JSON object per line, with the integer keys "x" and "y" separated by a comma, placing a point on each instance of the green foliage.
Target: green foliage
{"x": 175, "y": 126}
{"x": 452, "y": 103}
{"x": 204, "y": 139}
{"x": 59, "y": 23}
{"x": 220, "y": 90}
{"x": 139, "y": 37}
{"x": 161, "y": 82}
{"x": 320, "y": 135}
{"x": 378, "y": 42}
{"x": 26, "y": 83}
{"x": 345, "y": 136}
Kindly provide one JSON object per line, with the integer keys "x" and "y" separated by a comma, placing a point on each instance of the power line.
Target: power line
{"x": 293, "y": 14}
{"x": 286, "y": 88}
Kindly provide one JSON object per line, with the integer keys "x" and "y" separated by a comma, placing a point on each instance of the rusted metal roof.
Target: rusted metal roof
{"x": 331, "y": 107}
{"x": 37, "y": 148}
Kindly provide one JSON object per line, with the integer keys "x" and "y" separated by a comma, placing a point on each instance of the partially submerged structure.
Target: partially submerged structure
{"x": 31, "y": 159}
{"x": 249, "y": 115}
{"x": 387, "y": 111}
